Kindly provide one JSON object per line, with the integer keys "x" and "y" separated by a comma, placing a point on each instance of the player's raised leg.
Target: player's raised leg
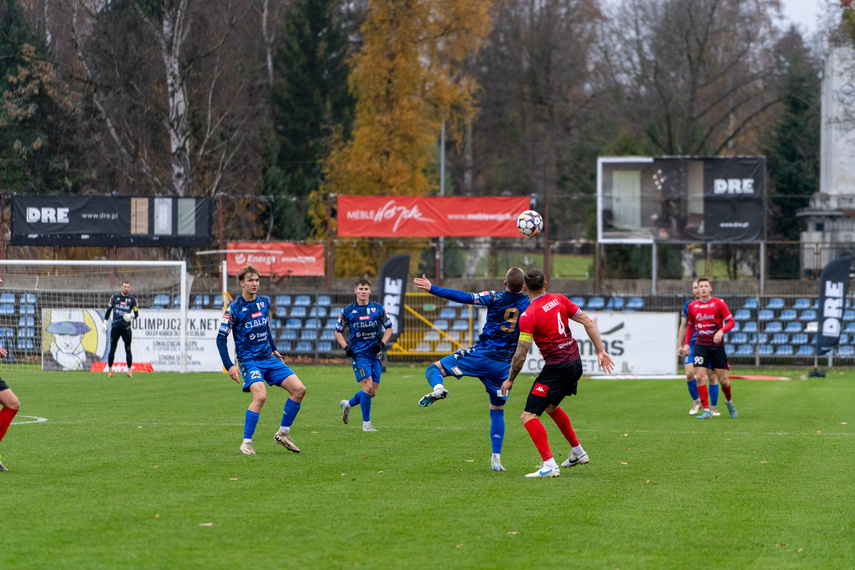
{"x": 434, "y": 375}
{"x": 296, "y": 392}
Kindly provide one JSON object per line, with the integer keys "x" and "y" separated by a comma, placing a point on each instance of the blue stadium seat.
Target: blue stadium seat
{"x": 635, "y": 303}
{"x": 805, "y": 350}
{"x": 156, "y": 308}
{"x": 780, "y": 338}
{"x": 176, "y": 303}
{"x": 27, "y": 322}
{"x": 788, "y": 315}
{"x": 808, "y": 315}
{"x": 161, "y": 300}
{"x": 738, "y": 338}
{"x": 744, "y": 350}
{"x": 849, "y": 315}
{"x": 773, "y": 327}
{"x": 729, "y": 348}
{"x": 844, "y": 338}
{"x": 432, "y": 336}
{"x": 324, "y": 301}
{"x": 312, "y": 324}
{"x": 288, "y": 334}
{"x": 304, "y": 346}
{"x": 448, "y": 313}
{"x": 742, "y": 315}
{"x": 309, "y": 334}
{"x": 7, "y": 332}
{"x": 28, "y": 309}
{"x": 775, "y": 304}
{"x": 422, "y": 347}
{"x": 847, "y": 350}
{"x": 443, "y": 346}
{"x": 441, "y": 324}
{"x": 303, "y": 301}
{"x": 596, "y": 303}
{"x": 26, "y": 332}
{"x": 765, "y": 315}
{"x": 276, "y": 324}
{"x": 281, "y": 312}
{"x": 799, "y": 338}
{"x": 25, "y": 344}
{"x": 766, "y": 350}
{"x": 201, "y": 301}
{"x": 812, "y": 327}
{"x": 615, "y": 303}
{"x": 318, "y": 312}
{"x": 759, "y": 338}
{"x": 282, "y": 301}
{"x": 284, "y": 346}
{"x": 454, "y": 304}
{"x": 460, "y": 325}
{"x": 751, "y": 303}
{"x": 28, "y": 298}
{"x": 578, "y": 301}
{"x": 335, "y": 311}
{"x": 784, "y": 350}
{"x": 793, "y": 327}
{"x": 325, "y": 347}
{"x": 7, "y": 309}
{"x": 736, "y": 327}
{"x": 849, "y": 328}
{"x": 330, "y": 323}
{"x": 749, "y": 327}
{"x": 293, "y": 324}
{"x": 801, "y": 304}
{"x": 299, "y": 312}
{"x": 7, "y": 299}
{"x": 327, "y": 334}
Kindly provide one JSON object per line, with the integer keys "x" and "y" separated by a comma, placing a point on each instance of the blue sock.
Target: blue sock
{"x": 249, "y": 424}
{"x": 713, "y": 395}
{"x": 433, "y": 375}
{"x": 290, "y": 412}
{"x": 366, "y": 407}
{"x": 497, "y": 429}
{"x": 693, "y": 388}
{"x": 357, "y": 398}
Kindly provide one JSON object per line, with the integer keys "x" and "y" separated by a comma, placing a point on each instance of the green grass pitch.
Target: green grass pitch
{"x": 144, "y": 473}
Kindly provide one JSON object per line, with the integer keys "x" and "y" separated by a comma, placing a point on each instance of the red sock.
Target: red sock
{"x": 538, "y": 435}
{"x": 726, "y": 390}
{"x": 705, "y": 396}
{"x": 6, "y": 415}
{"x": 563, "y": 422}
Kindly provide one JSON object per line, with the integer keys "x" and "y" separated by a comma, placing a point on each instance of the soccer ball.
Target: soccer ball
{"x": 529, "y": 223}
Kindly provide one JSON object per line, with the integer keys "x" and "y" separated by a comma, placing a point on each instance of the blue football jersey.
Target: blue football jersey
{"x": 248, "y": 320}
{"x": 685, "y": 315}
{"x": 120, "y": 306}
{"x": 367, "y": 323}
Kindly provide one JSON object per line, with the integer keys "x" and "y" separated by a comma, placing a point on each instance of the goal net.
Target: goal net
{"x": 52, "y": 315}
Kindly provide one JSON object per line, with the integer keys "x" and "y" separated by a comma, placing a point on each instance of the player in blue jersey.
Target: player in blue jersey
{"x": 489, "y": 359}
{"x": 369, "y": 330}
{"x": 258, "y": 359}
{"x": 124, "y": 309}
{"x": 691, "y": 382}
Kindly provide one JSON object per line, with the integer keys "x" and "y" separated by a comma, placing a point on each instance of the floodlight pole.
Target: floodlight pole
{"x": 440, "y": 273}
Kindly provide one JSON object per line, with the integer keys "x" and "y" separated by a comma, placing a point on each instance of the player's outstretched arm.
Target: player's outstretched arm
{"x": 516, "y": 365}
{"x": 605, "y": 361}
{"x": 424, "y": 284}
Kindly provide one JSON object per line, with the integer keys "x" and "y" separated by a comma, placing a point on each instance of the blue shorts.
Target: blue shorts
{"x": 271, "y": 370}
{"x": 491, "y": 372}
{"x": 367, "y": 366}
{"x": 688, "y": 359}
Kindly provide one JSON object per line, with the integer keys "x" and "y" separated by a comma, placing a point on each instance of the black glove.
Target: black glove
{"x": 348, "y": 351}
{"x": 377, "y": 346}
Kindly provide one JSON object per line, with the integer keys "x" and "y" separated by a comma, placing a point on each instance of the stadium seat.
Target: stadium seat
{"x": 156, "y": 308}
{"x": 7, "y": 309}
{"x": 780, "y": 338}
{"x": 312, "y": 324}
{"x": 788, "y": 315}
{"x": 744, "y": 350}
{"x": 736, "y": 327}
{"x": 25, "y": 344}
{"x": 201, "y": 301}
{"x": 28, "y": 309}
{"x": 324, "y": 301}
{"x": 454, "y": 304}
{"x": 784, "y": 350}
{"x": 765, "y": 315}
{"x": 318, "y": 312}
{"x": 847, "y": 350}
{"x": 282, "y": 301}
{"x": 849, "y": 315}
{"x": 325, "y": 347}
{"x": 635, "y": 303}
{"x": 773, "y": 327}
{"x": 751, "y": 303}
{"x": 441, "y": 324}
{"x": 766, "y": 350}
{"x": 304, "y": 346}
{"x": 811, "y": 327}
{"x": 448, "y": 313}
{"x": 730, "y": 348}
{"x": 161, "y": 300}
{"x": 422, "y": 347}
{"x": 303, "y": 301}
{"x": 801, "y": 304}
{"x": 335, "y": 311}
{"x": 805, "y": 350}
{"x": 299, "y": 312}
{"x": 276, "y": 324}
{"x": 849, "y": 328}
{"x": 7, "y": 299}
{"x": 578, "y": 301}
{"x": 742, "y": 315}
{"x": 26, "y": 332}
{"x": 738, "y": 338}
{"x": 27, "y": 322}
{"x": 616, "y": 303}
{"x": 7, "y": 332}
{"x": 460, "y": 325}
{"x": 28, "y": 298}
{"x": 288, "y": 334}
{"x": 793, "y": 327}
{"x": 330, "y": 323}
{"x": 432, "y": 336}
{"x": 327, "y": 335}
{"x": 309, "y": 334}
{"x": 759, "y": 338}
{"x": 808, "y": 315}
{"x": 775, "y": 304}
{"x": 293, "y": 324}
{"x": 596, "y": 303}
{"x": 176, "y": 303}
{"x": 749, "y": 327}
{"x": 443, "y": 346}
{"x": 284, "y": 346}
{"x": 844, "y": 338}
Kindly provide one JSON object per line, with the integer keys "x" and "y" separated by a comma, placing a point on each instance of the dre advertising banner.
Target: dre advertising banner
{"x": 107, "y": 220}
{"x": 681, "y": 200}
{"x": 430, "y": 216}
{"x": 393, "y": 284}
{"x": 833, "y": 286}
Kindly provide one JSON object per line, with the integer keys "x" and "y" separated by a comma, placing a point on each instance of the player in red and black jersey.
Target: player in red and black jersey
{"x": 9, "y": 405}
{"x": 546, "y": 321}
{"x": 710, "y": 318}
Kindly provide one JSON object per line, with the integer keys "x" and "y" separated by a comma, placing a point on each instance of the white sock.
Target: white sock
{"x": 550, "y": 464}
{"x": 245, "y": 440}
{"x": 578, "y": 450}
{"x": 497, "y": 458}
{"x": 284, "y": 430}
{"x": 438, "y": 387}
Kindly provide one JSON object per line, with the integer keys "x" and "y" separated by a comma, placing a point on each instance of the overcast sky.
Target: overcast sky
{"x": 804, "y": 12}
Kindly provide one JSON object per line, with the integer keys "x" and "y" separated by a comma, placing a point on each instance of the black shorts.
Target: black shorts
{"x": 553, "y": 383}
{"x": 121, "y": 332}
{"x": 707, "y": 356}
{"x": 3, "y": 385}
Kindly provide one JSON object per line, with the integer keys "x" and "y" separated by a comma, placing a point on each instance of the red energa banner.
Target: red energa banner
{"x": 430, "y": 216}
{"x": 276, "y": 258}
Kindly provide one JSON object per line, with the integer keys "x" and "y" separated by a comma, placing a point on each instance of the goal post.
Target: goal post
{"x": 52, "y": 313}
